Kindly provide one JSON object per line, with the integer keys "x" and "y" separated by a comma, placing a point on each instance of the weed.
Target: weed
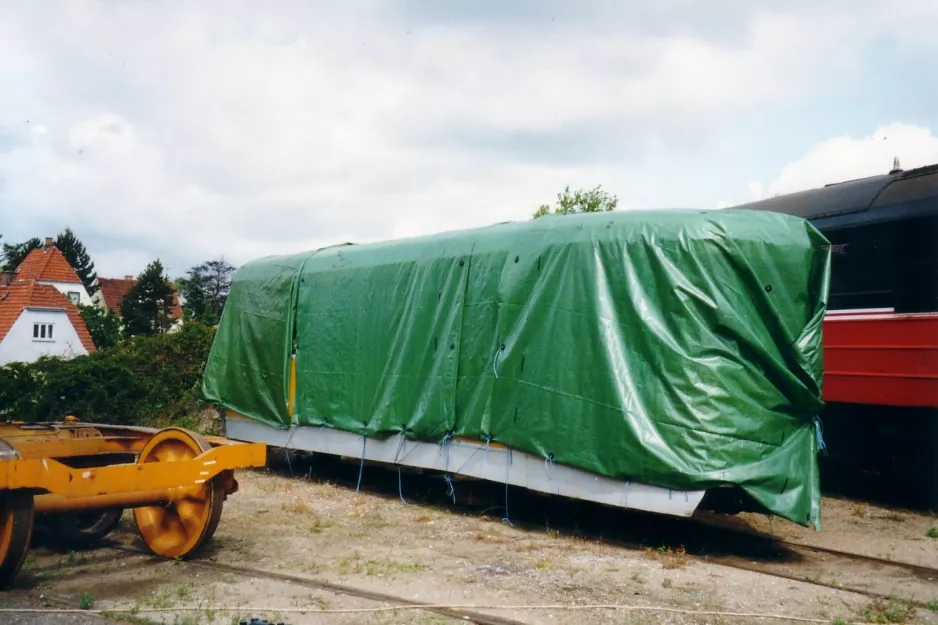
{"x": 29, "y": 561}
{"x": 859, "y": 511}
{"x": 637, "y": 578}
{"x": 932, "y": 532}
{"x": 553, "y": 533}
{"x": 86, "y": 601}
{"x": 543, "y": 564}
{"x": 888, "y": 611}
{"x": 527, "y": 547}
{"x": 297, "y": 505}
{"x": 376, "y": 568}
{"x": 318, "y": 525}
{"x": 424, "y": 518}
{"x": 932, "y": 605}
{"x": 670, "y": 559}
{"x": 376, "y": 519}
{"x": 838, "y": 621}
{"x": 488, "y": 538}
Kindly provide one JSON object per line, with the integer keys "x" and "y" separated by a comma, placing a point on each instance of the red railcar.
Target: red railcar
{"x": 881, "y": 334}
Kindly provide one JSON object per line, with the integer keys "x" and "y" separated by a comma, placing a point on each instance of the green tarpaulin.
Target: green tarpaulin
{"x": 680, "y": 349}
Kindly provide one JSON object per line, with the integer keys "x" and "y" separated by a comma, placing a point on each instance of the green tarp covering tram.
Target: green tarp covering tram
{"x": 680, "y": 349}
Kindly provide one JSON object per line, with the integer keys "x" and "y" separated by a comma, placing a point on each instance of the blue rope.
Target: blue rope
{"x": 286, "y": 452}
{"x": 444, "y": 445}
{"x": 548, "y": 463}
{"x": 505, "y": 519}
{"x": 361, "y": 468}
{"x": 495, "y": 361}
{"x": 400, "y": 487}
{"x": 819, "y": 432}
{"x": 452, "y": 491}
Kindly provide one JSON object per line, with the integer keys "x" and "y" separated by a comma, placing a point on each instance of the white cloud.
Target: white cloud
{"x": 846, "y": 158}
{"x": 195, "y": 130}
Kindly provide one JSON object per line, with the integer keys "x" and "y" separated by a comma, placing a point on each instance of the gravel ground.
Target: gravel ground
{"x": 325, "y": 532}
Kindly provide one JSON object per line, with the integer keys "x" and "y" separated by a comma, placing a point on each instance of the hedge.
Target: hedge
{"x": 148, "y": 380}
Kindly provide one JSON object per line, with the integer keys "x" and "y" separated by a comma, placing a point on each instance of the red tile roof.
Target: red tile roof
{"x": 113, "y": 291}
{"x": 47, "y": 264}
{"x": 22, "y": 294}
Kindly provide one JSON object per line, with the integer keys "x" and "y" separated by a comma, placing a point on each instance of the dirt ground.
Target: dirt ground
{"x": 329, "y": 533}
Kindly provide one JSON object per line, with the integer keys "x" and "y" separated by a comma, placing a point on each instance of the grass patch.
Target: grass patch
{"x": 669, "y": 558}
{"x": 888, "y": 611}
{"x": 932, "y": 532}
{"x": 375, "y": 518}
{"x": 488, "y": 538}
{"x": 354, "y": 565}
{"x": 297, "y": 506}
{"x": 86, "y": 601}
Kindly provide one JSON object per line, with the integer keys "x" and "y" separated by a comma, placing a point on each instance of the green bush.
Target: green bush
{"x": 148, "y": 380}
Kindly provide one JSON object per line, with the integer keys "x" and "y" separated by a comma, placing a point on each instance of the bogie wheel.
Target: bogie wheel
{"x": 16, "y": 531}
{"x": 84, "y": 528}
{"x": 179, "y": 528}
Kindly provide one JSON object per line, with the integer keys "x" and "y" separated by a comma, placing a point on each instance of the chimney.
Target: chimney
{"x": 6, "y": 278}
{"x": 48, "y": 242}
{"x": 128, "y": 277}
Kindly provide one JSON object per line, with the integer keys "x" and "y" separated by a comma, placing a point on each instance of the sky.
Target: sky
{"x": 234, "y": 129}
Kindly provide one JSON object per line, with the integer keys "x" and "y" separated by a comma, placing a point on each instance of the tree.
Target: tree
{"x": 77, "y": 256}
{"x": 592, "y": 201}
{"x": 14, "y": 253}
{"x": 146, "y": 306}
{"x": 206, "y": 289}
{"x": 104, "y": 326}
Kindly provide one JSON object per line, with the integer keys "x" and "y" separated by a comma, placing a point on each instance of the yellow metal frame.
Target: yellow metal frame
{"x": 173, "y": 479}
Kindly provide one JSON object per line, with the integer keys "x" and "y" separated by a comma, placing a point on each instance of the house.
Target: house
{"x": 48, "y": 266}
{"x": 112, "y": 291}
{"x": 37, "y": 319}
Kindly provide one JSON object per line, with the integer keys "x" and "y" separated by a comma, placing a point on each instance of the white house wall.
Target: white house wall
{"x": 64, "y": 287}
{"x": 20, "y": 346}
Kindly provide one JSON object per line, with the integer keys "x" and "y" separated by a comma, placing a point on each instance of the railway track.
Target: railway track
{"x": 466, "y": 616}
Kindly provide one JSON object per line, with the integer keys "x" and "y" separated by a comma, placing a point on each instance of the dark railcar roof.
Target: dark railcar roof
{"x": 893, "y": 196}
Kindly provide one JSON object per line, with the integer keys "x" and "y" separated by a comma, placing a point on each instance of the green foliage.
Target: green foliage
{"x": 77, "y": 256}
{"x": 932, "y": 532}
{"x": 146, "y": 306}
{"x": 206, "y": 290}
{"x": 147, "y": 380}
{"x": 14, "y": 253}
{"x": 888, "y": 611}
{"x": 104, "y": 326}
{"x": 580, "y": 201}
{"x": 86, "y": 601}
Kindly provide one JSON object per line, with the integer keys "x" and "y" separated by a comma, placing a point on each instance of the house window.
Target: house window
{"x": 74, "y": 297}
{"x": 42, "y": 332}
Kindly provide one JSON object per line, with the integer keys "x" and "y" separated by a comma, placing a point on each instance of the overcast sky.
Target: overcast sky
{"x": 188, "y": 131}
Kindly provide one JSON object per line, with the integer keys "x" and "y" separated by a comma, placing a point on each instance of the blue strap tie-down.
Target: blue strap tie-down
{"x": 819, "y": 433}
